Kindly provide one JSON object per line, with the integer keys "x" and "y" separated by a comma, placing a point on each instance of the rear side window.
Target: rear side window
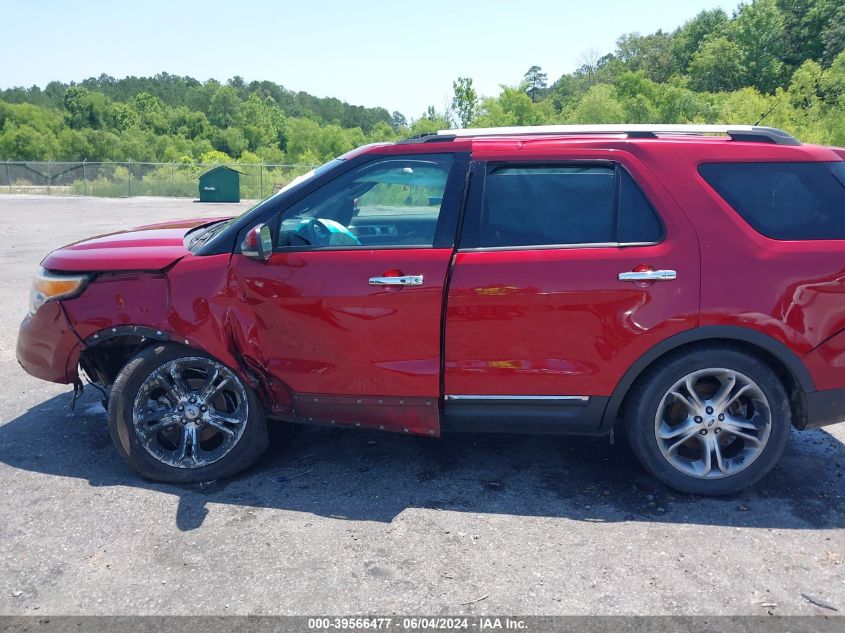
{"x": 784, "y": 201}
{"x": 540, "y": 205}
{"x": 637, "y": 220}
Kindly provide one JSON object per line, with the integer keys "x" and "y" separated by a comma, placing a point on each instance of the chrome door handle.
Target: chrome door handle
{"x": 406, "y": 280}
{"x": 649, "y": 275}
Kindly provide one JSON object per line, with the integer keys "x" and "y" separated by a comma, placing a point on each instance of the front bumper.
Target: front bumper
{"x": 47, "y": 347}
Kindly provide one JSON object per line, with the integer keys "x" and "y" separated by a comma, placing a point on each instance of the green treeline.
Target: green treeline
{"x": 179, "y": 119}
{"x": 782, "y": 61}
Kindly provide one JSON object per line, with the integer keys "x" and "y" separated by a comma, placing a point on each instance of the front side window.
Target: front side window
{"x": 540, "y": 205}
{"x": 392, "y": 201}
{"x": 784, "y": 201}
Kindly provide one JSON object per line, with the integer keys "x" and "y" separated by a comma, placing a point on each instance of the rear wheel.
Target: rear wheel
{"x": 179, "y": 415}
{"x": 712, "y": 421}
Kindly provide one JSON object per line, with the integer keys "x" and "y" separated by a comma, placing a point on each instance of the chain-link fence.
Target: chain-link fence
{"x": 120, "y": 180}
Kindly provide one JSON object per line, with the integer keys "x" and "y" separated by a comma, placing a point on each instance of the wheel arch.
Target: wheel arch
{"x": 106, "y": 351}
{"x": 786, "y": 364}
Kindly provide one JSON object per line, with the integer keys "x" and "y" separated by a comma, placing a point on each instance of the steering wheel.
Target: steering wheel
{"x": 317, "y": 233}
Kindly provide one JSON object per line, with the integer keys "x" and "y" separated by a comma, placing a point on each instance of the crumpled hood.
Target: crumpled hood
{"x": 150, "y": 247}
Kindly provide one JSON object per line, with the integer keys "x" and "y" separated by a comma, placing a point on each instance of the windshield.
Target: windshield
{"x": 308, "y": 176}
{"x": 204, "y": 234}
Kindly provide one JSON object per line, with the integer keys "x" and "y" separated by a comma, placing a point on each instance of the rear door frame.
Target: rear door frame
{"x": 546, "y": 414}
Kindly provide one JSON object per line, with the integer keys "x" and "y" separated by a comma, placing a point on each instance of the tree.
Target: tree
{"x": 687, "y": 39}
{"x": 833, "y": 36}
{"x": 748, "y": 105}
{"x": 535, "y": 81}
{"x": 424, "y": 125}
{"x": 589, "y": 59}
{"x": 223, "y": 106}
{"x": 805, "y": 23}
{"x": 151, "y": 112}
{"x": 187, "y": 123}
{"x": 679, "y": 104}
{"x": 464, "y": 101}
{"x": 512, "y": 107}
{"x": 651, "y": 54}
{"x": 567, "y": 90}
{"x": 639, "y": 96}
{"x": 759, "y": 31}
{"x": 381, "y": 132}
{"x": 261, "y": 122}
{"x": 599, "y": 105}
{"x": 73, "y": 145}
{"x": 84, "y": 108}
{"x": 26, "y": 143}
{"x": 429, "y": 122}
{"x": 398, "y": 121}
{"x": 232, "y": 141}
{"x": 833, "y": 83}
{"x": 237, "y": 82}
{"x": 717, "y": 66}
{"x": 54, "y": 91}
{"x": 805, "y": 87}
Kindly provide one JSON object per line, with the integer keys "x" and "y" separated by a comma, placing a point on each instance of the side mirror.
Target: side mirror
{"x": 258, "y": 243}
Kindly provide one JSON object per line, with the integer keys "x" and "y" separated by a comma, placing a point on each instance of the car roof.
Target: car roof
{"x": 628, "y": 130}
{"x": 710, "y": 141}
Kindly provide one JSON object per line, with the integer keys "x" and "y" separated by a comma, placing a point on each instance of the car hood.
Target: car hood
{"x": 151, "y": 247}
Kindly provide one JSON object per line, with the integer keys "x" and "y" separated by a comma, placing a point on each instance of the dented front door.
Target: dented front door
{"x": 351, "y": 335}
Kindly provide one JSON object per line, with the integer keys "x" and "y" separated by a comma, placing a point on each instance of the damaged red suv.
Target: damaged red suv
{"x": 683, "y": 283}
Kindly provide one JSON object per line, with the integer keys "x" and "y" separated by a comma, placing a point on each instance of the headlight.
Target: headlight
{"x": 49, "y": 286}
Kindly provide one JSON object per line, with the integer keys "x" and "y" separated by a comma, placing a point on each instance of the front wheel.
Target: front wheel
{"x": 178, "y": 415}
{"x": 711, "y": 422}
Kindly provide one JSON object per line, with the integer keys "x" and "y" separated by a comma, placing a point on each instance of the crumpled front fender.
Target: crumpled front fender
{"x": 187, "y": 305}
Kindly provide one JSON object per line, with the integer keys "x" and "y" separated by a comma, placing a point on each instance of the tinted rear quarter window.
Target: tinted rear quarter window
{"x": 784, "y": 201}
{"x": 565, "y": 205}
{"x": 638, "y": 223}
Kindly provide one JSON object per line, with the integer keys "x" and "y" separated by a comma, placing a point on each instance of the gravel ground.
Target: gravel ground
{"x": 335, "y": 521}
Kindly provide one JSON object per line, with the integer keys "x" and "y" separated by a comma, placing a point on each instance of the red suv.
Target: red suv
{"x": 683, "y": 283}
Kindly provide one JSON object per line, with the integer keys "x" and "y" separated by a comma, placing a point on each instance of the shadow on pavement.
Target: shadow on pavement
{"x": 368, "y": 476}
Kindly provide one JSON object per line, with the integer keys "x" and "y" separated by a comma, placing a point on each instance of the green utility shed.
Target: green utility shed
{"x": 221, "y": 184}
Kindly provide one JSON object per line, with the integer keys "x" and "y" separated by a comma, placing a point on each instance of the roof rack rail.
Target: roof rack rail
{"x": 442, "y": 136}
{"x": 750, "y": 133}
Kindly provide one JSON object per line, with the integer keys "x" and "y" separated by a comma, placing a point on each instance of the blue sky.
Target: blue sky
{"x": 399, "y": 55}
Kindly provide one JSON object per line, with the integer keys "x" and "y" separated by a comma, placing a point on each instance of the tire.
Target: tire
{"x": 219, "y": 430}
{"x": 677, "y": 438}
